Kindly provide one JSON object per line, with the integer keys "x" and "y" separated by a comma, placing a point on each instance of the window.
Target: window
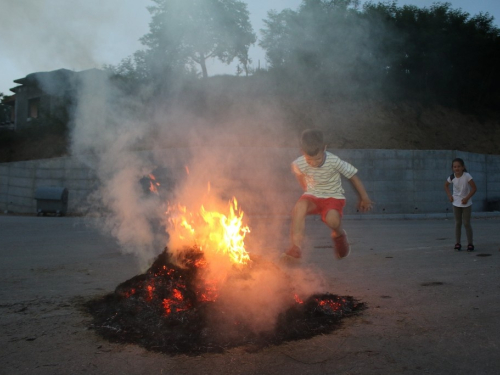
{"x": 33, "y": 107}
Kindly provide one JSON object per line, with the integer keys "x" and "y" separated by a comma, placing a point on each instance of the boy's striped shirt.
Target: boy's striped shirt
{"x": 324, "y": 181}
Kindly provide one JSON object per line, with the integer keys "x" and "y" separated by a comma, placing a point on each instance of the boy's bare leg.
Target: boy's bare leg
{"x": 340, "y": 243}
{"x": 333, "y": 221}
{"x": 299, "y": 213}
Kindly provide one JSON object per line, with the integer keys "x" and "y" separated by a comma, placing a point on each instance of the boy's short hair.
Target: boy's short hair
{"x": 311, "y": 141}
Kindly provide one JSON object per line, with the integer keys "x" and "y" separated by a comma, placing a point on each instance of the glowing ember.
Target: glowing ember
{"x": 208, "y": 292}
{"x": 176, "y": 303}
{"x": 167, "y": 309}
{"x": 297, "y": 299}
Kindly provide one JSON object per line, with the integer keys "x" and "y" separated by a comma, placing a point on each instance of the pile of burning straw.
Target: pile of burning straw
{"x": 172, "y": 308}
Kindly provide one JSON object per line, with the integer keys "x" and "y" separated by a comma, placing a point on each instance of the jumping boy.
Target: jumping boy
{"x": 318, "y": 172}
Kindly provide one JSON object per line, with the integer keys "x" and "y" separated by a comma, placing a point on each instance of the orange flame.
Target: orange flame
{"x": 212, "y": 231}
{"x": 228, "y": 233}
{"x": 153, "y": 184}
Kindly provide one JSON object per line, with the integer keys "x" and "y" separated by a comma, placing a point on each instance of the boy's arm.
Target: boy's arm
{"x": 300, "y": 177}
{"x": 365, "y": 203}
{"x": 302, "y": 180}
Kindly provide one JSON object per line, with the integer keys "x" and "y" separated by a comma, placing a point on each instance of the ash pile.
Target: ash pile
{"x": 172, "y": 308}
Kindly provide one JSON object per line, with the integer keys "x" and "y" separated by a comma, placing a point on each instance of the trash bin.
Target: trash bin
{"x": 493, "y": 205}
{"x": 51, "y": 199}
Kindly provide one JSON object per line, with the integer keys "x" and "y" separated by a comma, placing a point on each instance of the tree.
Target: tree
{"x": 436, "y": 54}
{"x": 446, "y": 56}
{"x": 192, "y": 31}
{"x": 323, "y": 46}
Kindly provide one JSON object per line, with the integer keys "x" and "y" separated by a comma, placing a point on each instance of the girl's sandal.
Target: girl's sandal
{"x": 458, "y": 247}
{"x": 470, "y": 248}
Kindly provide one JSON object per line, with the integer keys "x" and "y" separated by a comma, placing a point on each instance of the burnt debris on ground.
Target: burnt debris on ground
{"x": 168, "y": 309}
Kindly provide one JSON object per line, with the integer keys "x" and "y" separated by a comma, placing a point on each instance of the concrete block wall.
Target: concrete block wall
{"x": 493, "y": 179}
{"x": 399, "y": 181}
{"x": 412, "y": 181}
{"x": 19, "y": 181}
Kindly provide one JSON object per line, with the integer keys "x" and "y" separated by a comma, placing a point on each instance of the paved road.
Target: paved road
{"x": 430, "y": 309}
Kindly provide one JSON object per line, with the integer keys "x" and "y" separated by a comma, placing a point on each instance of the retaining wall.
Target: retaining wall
{"x": 19, "y": 181}
{"x": 399, "y": 181}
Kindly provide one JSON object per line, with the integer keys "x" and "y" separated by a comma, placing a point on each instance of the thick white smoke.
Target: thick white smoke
{"x": 107, "y": 133}
{"x": 217, "y": 134}
{"x": 124, "y": 140}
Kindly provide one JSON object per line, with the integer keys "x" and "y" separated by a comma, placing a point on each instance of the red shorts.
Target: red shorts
{"x": 323, "y": 205}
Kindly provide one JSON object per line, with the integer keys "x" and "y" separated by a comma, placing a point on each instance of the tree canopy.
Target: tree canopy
{"x": 327, "y": 48}
{"x": 184, "y": 32}
{"x": 338, "y": 47}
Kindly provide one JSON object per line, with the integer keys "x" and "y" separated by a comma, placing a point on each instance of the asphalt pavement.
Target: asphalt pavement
{"x": 430, "y": 309}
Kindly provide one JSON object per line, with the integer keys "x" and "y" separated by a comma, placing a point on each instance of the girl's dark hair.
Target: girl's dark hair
{"x": 459, "y": 161}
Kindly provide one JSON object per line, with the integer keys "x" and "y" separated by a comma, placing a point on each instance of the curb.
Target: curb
{"x": 417, "y": 216}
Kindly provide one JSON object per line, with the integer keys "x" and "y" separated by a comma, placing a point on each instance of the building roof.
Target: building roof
{"x": 35, "y": 79}
{"x": 55, "y": 81}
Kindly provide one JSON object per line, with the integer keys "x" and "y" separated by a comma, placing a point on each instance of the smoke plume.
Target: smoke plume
{"x": 199, "y": 148}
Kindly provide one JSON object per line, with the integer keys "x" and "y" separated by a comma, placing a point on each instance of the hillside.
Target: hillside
{"x": 347, "y": 124}
{"x": 410, "y": 126}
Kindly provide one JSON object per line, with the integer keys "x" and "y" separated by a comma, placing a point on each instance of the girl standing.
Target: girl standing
{"x": 463, "y": 189}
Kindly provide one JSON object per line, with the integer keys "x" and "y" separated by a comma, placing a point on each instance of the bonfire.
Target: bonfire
{"x": 206, "y": 293}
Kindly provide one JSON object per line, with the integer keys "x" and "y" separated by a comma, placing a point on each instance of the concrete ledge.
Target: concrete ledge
{"x": 405, "y": 184}
{"x": 482, "y": 215}
{"x": 416, "y": 216}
